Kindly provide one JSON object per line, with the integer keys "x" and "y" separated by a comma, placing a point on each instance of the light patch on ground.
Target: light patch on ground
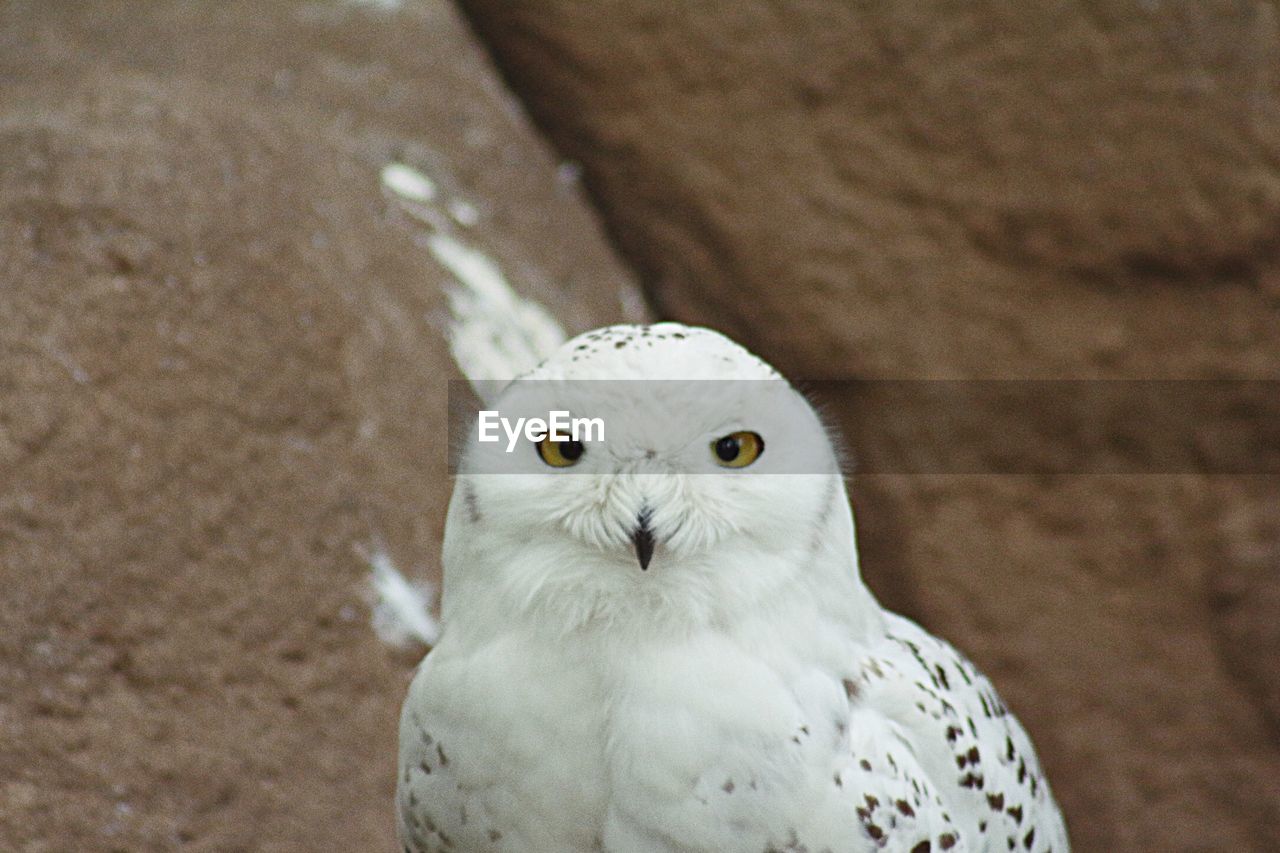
{"x": 401, "y": 610}
{"x": 408, "y": 183}
{"x": 464, "y": 212}
{"x": 495, "y": 333}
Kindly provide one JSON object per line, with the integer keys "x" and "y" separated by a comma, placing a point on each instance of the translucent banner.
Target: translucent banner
{"x": 739, "y": 427}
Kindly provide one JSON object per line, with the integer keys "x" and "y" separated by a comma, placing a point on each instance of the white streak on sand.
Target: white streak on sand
{"x": 401, "y": 610}
{"x": 408, "y": 183}
{"x": 464, "y": 212}
{"x": 495, "y": 333}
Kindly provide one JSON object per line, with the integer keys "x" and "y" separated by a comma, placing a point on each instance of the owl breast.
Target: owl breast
{"x": 501, "y": 748}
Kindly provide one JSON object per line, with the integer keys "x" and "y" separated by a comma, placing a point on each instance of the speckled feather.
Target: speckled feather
{"x": 746, "y": 693}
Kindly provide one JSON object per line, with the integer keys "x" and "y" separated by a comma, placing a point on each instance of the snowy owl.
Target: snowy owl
{"x": 636, "y": 657}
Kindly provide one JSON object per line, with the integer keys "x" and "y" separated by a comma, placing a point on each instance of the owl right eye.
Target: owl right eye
{"x": 560, "y": 454}
{"x": 738, "y": 450}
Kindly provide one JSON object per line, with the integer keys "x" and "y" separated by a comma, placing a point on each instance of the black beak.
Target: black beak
{"x": 644, "y": 540}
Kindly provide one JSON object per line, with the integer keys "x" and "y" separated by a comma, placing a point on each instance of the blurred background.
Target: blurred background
{"x": 236, "y": 240}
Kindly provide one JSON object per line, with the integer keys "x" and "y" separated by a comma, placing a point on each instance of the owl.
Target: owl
{"x": 658, "y": 640}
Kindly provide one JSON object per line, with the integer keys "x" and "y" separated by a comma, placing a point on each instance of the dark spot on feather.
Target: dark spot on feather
{"x": 471, "y": 505}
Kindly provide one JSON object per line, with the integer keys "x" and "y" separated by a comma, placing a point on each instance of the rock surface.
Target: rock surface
{"x": 1085, "y": 191}
{"x": 222, "y": 377}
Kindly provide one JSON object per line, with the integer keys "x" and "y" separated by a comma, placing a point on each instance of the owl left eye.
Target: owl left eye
{"x": 560, "y": 454}
{"x": 737, "y": 449}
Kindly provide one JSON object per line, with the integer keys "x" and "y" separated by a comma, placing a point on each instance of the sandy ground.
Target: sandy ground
{"x": 223, "y": 376}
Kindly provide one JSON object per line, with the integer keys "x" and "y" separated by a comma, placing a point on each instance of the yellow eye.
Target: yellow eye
{"x": 738, "y": 449}
{"x": 560, "y": 454}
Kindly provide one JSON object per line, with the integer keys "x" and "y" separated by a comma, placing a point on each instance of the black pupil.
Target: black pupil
{"x": 571, "y": 450}
{"x": 728, "y": 448}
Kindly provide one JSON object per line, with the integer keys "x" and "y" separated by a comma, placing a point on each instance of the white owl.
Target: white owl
{"x": 661, "y": 642}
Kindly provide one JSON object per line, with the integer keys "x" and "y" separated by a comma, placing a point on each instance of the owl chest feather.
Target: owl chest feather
{"x": 602, "y": 746}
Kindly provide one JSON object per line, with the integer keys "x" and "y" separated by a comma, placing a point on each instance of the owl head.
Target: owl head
{"x": 699, "y": 482}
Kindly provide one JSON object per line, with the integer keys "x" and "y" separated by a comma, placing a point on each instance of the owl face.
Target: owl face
{"x": 709, "y": 463}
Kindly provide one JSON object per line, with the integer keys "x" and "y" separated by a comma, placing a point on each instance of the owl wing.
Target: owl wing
{"x": 982, "y": 779}
{"x": 890, "y": 802}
